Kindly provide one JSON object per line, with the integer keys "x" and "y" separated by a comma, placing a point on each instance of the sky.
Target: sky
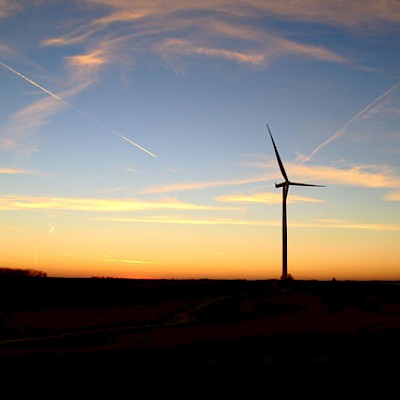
{"x": 134, "y": 141}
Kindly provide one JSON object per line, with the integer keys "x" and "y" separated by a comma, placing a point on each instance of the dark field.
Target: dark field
{"x": 81, "y": 323}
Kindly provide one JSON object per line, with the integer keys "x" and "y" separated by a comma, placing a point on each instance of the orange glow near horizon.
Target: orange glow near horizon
{"x": 137, "y": 250}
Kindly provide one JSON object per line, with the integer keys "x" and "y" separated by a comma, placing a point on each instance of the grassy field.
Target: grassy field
{"x": 94, "y": 322}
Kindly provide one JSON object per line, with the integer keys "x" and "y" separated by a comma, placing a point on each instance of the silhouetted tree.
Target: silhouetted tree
{"x": 19, "y": 272}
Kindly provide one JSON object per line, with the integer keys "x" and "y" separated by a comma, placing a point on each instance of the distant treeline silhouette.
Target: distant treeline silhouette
{"x": 21, "y": 273}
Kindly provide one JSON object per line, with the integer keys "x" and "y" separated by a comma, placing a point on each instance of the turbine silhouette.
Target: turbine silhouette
{"x": 285, "y": 189}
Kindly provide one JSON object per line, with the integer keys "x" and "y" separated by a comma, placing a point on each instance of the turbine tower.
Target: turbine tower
{"x": 285, "y": 189}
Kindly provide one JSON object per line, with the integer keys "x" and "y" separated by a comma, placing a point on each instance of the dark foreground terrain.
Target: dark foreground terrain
{"x": 106, "y": 323}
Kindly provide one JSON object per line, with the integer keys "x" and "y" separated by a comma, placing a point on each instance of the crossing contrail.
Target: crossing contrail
{"x": 342, "y": 130}
{"x": 96, "y": 121}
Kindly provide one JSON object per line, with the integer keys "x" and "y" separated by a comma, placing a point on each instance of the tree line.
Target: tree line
{"x": 21, "y": 273}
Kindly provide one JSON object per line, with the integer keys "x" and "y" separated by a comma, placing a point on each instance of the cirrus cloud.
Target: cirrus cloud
{"x": 26, "y": 203}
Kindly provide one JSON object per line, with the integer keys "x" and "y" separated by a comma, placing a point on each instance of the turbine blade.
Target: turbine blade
{"x": 304, "y": 184}
{"x": 277, "y": 157}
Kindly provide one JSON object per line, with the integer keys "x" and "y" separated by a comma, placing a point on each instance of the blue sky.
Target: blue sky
{"x": 133, "y": 137}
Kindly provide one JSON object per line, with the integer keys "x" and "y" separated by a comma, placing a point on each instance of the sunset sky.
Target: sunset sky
{"x": 133, "y": 138}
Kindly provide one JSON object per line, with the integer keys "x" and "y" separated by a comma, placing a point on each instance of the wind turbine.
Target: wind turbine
{"x": 285, "y": 189}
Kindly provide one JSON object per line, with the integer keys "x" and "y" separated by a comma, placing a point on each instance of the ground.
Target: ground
{"x": 277, "y": 324}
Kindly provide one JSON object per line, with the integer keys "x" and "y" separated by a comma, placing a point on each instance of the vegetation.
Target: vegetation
{"x": 21, "y": 273}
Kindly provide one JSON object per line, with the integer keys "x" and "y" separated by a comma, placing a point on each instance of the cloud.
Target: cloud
{"x": 5, "y": 49}
{"x": 372, "y": 176}
{"x": 124, "y": 16}
{"x": 238, "y": 31}
{"x": 202, "y": 185}
{"x": 316, "y": 52}
{"x": 264, "y": 198}
{"x": 180, "y": 46}
{"x": 113, "y": 189}
{"x": 195, "y": 29}
{"x": 322, "y": 224}
{"x": 393, "y": 196}
{"x": 93, "y": 59}
{"x": 84, "y": 69}
{"x": 363, "y": 175}
{"x": 184, "y": 220}
{"x": 356, "y": 13}
{"x": 8, "y": 7}
{"x": 27, "y": 151}
{"x": 344, "y": 13}
{"x": 28, "y": 119}
{"x": 13, "y": 171}
{"x": 25, "y": 203}
{"x": 107, "y": 258}
{"x": 68, "y": 40}
{"x": 340, "y": 224}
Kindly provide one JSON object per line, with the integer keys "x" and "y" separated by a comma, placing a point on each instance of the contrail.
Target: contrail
{"x": 342, "y": 130}
{"x": 43, "y": 89}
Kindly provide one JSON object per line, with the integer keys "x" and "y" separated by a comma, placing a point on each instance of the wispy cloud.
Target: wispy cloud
{"x": 28, "y": 119}
{"x": 264, "y": 198}
{"x": 185, "y": 220}
{"x": 26, "y": 151}
{"x": 316, "y": 52}
{"x": 195, "y": 29}
{"x": 354, "y": 14}
{"x": 107, "y": 258}
{"x": 340, "y": 224}
{"x": 393, "y": 196}
{"x": 5, "y": 50}
{"x": 8, "y": 7}
{"x": 113, "y": 189}
{"x": 84, "y": 68}
{"x": 100, "y": 205}
{"x": 131, "y": 170}
{"x": 202, "y": 185}
{"x": 362, "y": 175}
{"x": 323, "y": 224}
{"x": 14, "y": 171}
{"x": 372, "y": 176}
{"x": 180, "y": 46}
{"x": 340, "y": 12}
